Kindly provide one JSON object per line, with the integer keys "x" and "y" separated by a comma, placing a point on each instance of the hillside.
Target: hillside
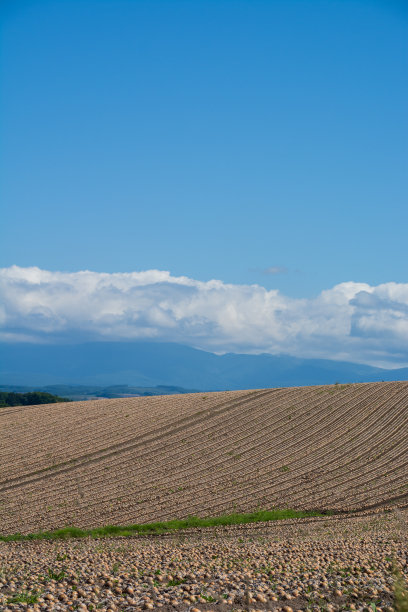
{"x": 138, "y": 460}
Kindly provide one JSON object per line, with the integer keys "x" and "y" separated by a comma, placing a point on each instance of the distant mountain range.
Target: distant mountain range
{"x": 152, "y": 364}
{"x": 91, "y": 392}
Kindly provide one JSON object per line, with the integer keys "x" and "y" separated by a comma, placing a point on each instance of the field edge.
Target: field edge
{"x": 167, "y": 526}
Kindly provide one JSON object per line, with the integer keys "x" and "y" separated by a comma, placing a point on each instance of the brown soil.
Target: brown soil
{"x": 331, "y": 564}
{"x": 136, "y": 460}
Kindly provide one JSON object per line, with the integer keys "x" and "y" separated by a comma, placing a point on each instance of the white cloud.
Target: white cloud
{"x": 351, "y": 321}
{"x": 274, "y": 270}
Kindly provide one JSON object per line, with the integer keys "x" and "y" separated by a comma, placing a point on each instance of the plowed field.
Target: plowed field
{"x": 137, "y": 460}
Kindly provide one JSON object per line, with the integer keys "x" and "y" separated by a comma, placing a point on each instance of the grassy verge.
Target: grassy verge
{"x": 400, "y": 591}
{"x": 163, "y": 527}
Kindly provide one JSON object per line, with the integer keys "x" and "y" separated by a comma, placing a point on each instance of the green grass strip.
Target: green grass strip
{"x": 163, "y": 527}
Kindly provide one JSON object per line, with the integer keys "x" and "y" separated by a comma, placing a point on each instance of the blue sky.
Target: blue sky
{"x": 214, "y": 139}
{"x": 259, "y": 143}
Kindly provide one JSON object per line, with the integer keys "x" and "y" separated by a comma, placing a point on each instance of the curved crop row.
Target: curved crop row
{"x": 146, "y": 459}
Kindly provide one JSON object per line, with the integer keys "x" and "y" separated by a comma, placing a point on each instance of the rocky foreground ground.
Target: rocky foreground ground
{"x": 330, "y": 563}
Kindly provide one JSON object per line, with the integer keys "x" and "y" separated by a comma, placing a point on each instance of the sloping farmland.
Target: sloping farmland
{"x": 139, "y": 460}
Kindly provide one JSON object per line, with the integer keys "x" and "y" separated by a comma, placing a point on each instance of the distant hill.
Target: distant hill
{"x": 90, "y": 392}
{"x": 149, "y": 364}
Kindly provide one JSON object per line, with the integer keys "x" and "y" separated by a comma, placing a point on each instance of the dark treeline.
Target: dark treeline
{"x": 28, "y": 399}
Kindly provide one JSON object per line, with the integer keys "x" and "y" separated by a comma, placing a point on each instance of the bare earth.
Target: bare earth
{"x": 139, "y": 460}
{"x": 88, "y": 464}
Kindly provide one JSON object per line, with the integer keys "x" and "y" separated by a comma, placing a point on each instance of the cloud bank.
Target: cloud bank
{"x": 351, "y": 321}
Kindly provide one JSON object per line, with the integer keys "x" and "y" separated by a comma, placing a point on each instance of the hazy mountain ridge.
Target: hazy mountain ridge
{"x": 150, "y": 364}
{"x": 89, "y": 392}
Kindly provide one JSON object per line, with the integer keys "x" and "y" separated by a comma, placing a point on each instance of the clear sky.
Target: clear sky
{"x": 163, "y": 144}
{"x": 252, "y": 142}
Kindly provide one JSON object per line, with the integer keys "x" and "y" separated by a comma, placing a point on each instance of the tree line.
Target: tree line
{"x": 10, "y": 398}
